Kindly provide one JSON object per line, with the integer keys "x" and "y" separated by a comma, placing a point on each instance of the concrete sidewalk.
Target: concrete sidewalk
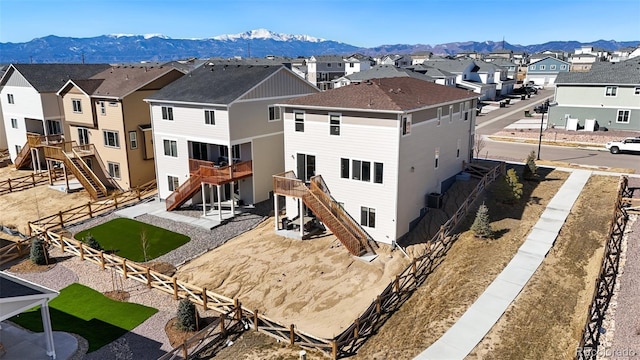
{"x": 476, "y": 322}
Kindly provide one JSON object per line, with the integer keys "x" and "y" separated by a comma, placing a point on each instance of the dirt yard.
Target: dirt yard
{"x": 20, "y": 207}
{"x": 316, "y": 284}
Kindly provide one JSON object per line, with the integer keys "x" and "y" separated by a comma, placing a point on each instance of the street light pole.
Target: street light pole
{"x": 545, "y": 107}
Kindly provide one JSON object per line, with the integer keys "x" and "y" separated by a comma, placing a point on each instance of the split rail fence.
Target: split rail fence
{"x": 234, "y": 317}
{"x": 590, "y": 340}
{"x": 26, "y": 182}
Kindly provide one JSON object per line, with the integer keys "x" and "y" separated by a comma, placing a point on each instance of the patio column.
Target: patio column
{"x": 48, "y": 331}
{"x": 204, "y": 200}
{"x": 49, "y": 169}
{"x": 233, "y": 200}
{"x": 275, "y": 210}
{"x": 38, "y": 165}
{"x": 211, "y": 196}
{"x": 301, "y": 218}
{"x": 66, "y": 176}
{"x": 219, "y": 203}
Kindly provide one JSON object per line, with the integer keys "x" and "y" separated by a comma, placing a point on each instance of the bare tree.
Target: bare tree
{"x": 478, "y": 145}
{"x": 144, "y": 242}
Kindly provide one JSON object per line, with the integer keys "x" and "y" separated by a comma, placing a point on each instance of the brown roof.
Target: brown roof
{"x": 394, "y": 94}
{"x": 88, "y": 85}
{"x": 119, "y": 81}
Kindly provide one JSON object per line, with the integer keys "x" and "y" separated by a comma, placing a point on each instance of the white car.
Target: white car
{"x": 631, "y": 144}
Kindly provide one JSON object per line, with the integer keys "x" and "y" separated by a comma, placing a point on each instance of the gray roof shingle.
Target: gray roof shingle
{"x": 51, "y": 77}
{"x": 215, "y": 84}
{"x": 624, "y": 73}
{"x": 386, "y": 71}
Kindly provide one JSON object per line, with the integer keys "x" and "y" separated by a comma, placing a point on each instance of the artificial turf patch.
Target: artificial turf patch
{"x": 123, "y": 237}
{"x": 83, "y": 311}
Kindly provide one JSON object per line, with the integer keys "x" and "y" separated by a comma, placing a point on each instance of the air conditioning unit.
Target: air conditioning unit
{"x": 434, "y": 200}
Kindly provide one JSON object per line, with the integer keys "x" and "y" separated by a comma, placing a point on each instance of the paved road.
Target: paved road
{"x": 496, "y": 120}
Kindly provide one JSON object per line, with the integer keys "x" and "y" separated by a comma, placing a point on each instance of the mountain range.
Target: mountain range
{"x": 117, "y": 48}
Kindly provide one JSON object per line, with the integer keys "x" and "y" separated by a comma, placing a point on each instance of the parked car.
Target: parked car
{"x": 630, "y": 144}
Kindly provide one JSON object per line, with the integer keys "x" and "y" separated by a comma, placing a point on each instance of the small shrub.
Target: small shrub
{"x": 38, "y": 254}
{"x": 481, "y": 226}
{"x": 186, "y": 317}
{"x": 509, "y": 189}
{"x": 92, "y": 242}
{"x": 530, "y": 169}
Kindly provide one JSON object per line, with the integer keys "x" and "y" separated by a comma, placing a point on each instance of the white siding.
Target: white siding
{"x": 374, "y": 142}
{"x": 27, "y": 104}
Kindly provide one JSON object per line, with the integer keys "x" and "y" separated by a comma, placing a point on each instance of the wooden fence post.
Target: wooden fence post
{"x": 356, "y": 329}
{"x": 185, "y": 353}
{"x": 175, "y": 288}
{"x": 292, "y": 334}
{"x": 115, "y": 201}
{"x": 204, "y": 299}
{"x": 29, "y": 227}
{"x": 80, "y": 245}
{"x": 61, "y": 243}
{"x": 102, "y": 259}
{"x": 33, "y": 179}
{"x": 90, "y": 212}
{"x": 61, "y": 220}
{"x": 124, "y": 268}
{"x": 223, "y": 331}
{"x": 255, "y": 320}
{"x": 236, "y": 304}
{"x": 9, "y": 182}
{"x": 138, "y": 191}
{"x": 148, "y": 278}
{"x": 378, "y": 305}
{"x": 396, "y": 284}
{"x": 334, "y": 350}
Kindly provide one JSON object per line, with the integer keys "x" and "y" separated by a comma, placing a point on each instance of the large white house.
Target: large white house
{"x": 380, "y": 148}
{"x": 216, "y": 132}
{"x": 29, "y": 100}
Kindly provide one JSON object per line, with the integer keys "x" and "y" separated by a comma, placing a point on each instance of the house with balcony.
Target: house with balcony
{"x": 544, "y": 71}
{"x": 362, "y": 159}
{"x": 469, "y": 75}
{"x": 110, "y": 125}
{"x": 608, "y": 94}
{"x": 217, "y": 137}
{"x": 30, "y": 105}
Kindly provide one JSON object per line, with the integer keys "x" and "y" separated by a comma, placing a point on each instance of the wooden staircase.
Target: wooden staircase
{"x": 317, "y": 198}
{"x": 73, "y": 161}
{"x": 206, "y": 172}
{"x": 23, "y": 159}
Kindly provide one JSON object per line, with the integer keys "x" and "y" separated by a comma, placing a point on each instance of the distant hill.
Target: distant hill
{"x": 254, "y": 43}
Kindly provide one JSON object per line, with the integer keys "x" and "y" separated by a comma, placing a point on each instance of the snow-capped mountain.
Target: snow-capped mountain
{"x": 266, "y": 34}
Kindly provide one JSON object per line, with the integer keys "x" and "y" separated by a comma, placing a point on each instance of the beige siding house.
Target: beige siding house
{"x": 108, "y": 112}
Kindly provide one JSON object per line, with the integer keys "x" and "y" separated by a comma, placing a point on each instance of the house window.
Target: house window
{"x": 329, "y": 65}
{"x": 623, "y": 116}
{"x": 170, "y": 148}
{"x": 275, "y": 113}
{"x": 352, "y": 65}
{"x": 466, "y": 110}
{"x": 368, "y": 217}
{"x": 439, "y": 115}
{"x": 306, "y": 166}
{"x": 209, "y": 117}
{"x": 611, "y": 91}
{"x": 532, "y": 67}
{"x": 174, "y": 182}
{"x": 167, "y": 113}
{"x": 54, "y": 127}
{"x": 461, "y": 110}
{"x": 18, "y": 149}
{"x": 563, "y": 67}
{"x": 437, "y": 158}
{"x": 552, "y": 67}
{"x": 133, "y": 140}
{"x": 450, "y": 113}
{"x": 299, "y": 120}
{"x": 406, "y": 125}
{"x": 103, "y": 108}
{"x": 83, "y": 136}
{"x": 458, "y": 149}
{"x": 636, "y": 91}
{"x": 377, "y": 173}
{"x": 111, "y": 139}
{"x": 361, "y": 170}
{"x": 344, "y": 168}
{"x": 543, "y": 67}
{"x": 334, "y": 124}
{"x": 14, "y": 123}
{"x": 10, "y": 99}
{"x": 114, "y": 170}
{"x": 77, "y": 105}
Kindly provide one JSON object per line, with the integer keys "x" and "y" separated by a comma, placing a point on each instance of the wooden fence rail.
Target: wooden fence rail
{"x": 25, "y": 182}
{"x": 590, "y": 339}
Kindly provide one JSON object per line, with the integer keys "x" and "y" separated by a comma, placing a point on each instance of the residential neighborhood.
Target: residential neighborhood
{"x": 412, "y": 204}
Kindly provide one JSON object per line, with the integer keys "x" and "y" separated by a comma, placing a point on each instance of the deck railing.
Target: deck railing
{"x": 289, "y": 185}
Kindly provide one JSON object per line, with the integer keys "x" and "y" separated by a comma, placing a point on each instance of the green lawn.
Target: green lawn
{"x": 86, "y": 312}
{"x": 122, "y": 237}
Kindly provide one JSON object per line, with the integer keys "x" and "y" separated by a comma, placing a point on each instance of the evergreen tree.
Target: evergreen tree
{"x": 186, "y": 316}
{"x": 92, "y": 242}
{"x": 38, "y": 253}
{"x": 481, "y": 225}
{"x": 509, "y": 189}
{"x": 530, "y": 169}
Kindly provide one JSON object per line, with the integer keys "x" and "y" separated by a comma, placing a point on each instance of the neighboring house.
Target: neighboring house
{"x": 558, "y": 54}
{"x": 379, "y": 72}
{"x": 395, "y": 60}
{"x": 519, "y": 57}
{"x": 608, "y": 94}
{"x": 29, "y": 100}
{"x": 544, "y": 71}
{"x": 420, "y": 56}
{"x": 356, "y": 63}
{"x": 469, "y": 55}
{"x": 381, "y": 147}
{"x": 505, "y": 54}
{"x": 494, "y": 73}
{"x": 439, "y": 76}
{"x": 108, "y": 111}
{"x": 3, "y": 133}
{"x": 621, "y": 54}
{"x": 582, "y": 62}
{"x": 509, "y": 66}
{"x": 323, "y": 69}
{"x": 469, "y": 75}
{"x": 221, "y": 117}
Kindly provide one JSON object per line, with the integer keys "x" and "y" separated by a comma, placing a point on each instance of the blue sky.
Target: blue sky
{"x": 357, "y": 22}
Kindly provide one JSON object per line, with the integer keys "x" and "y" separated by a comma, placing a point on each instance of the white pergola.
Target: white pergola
{"x": 18, "y": 295}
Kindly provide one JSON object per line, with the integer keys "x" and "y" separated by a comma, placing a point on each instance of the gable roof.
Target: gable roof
{"x": 386, "y": 71}
{"x": 120, "y": 81}
{"x": 452, "y": 66}
{"x": 47, "y": 78}
{"x": 624, "y": 73}
{"x": 397, "y": 94}
{"x": 215, "y": 84}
